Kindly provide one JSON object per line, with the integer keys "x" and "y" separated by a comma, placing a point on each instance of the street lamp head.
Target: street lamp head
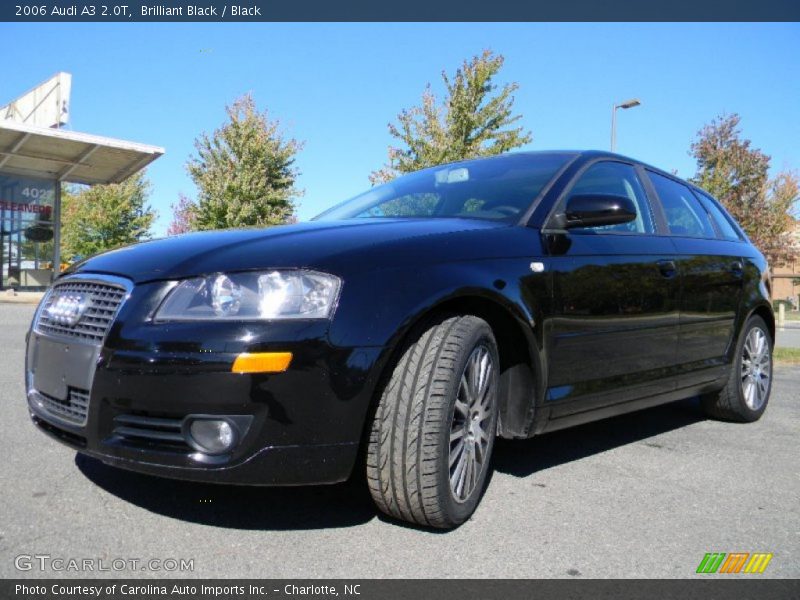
{"x": 629, "y": 103}
{"x": 623, "y": 105}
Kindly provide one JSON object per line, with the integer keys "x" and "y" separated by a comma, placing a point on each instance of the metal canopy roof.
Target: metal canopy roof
{"x": 32, "y": 151}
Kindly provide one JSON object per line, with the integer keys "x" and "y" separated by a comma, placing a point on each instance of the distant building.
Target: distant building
{"x": 786, "y": 279}
{"x": 36, "y": 157}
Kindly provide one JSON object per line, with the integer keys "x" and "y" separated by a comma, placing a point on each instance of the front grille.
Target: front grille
{"x": 152, "y": 431}
{"x": 72, "y": 410}
{"x": 105, "y": 300}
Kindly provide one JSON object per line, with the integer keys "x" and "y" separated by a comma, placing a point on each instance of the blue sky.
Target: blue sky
{"x": 336, "y": 86}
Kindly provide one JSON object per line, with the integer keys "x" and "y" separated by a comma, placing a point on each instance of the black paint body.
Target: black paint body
{"x": 609, "y": 324}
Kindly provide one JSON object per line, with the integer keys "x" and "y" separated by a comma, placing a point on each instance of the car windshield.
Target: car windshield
{"x": 500, "y": 188}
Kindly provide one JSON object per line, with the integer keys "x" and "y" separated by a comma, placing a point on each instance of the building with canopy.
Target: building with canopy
{"x": 37, "y": 157}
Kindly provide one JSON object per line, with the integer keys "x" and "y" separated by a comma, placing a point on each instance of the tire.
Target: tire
{"x": 409, "y": 450}
{"x": 746, "y": 393}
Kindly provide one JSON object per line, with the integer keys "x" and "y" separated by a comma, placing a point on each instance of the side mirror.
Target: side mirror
{"x": 596, "y": 210}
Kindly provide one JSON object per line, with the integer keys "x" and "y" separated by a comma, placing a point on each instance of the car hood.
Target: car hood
{"x": 324, "y": 245}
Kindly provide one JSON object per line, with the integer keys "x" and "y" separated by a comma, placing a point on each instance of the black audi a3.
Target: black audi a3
{"x": 409, "y": 326}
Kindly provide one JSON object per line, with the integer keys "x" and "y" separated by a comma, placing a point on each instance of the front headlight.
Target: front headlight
{"x": 261, "y": 295}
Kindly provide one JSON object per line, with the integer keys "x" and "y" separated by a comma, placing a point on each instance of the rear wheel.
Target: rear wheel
{"x": 434, "y": 428}
{"x": 746, "y": 394}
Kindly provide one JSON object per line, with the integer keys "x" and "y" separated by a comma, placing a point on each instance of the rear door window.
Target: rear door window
{"x": 722, "y": 221}
{"x": 685, "y": 215}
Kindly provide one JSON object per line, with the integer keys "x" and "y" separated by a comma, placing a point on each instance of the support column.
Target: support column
{"x": 57, "y": 230}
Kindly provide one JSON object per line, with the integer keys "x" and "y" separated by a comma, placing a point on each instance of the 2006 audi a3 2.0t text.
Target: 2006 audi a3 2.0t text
{"x": 400, "y": 332}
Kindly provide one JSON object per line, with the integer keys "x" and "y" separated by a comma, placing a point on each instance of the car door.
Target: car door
{"x": 613, "y": 337}
{"x": 709, "y": 257}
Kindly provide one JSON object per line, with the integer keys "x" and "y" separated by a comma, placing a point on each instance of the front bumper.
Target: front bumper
{"x": 303, "y": 426}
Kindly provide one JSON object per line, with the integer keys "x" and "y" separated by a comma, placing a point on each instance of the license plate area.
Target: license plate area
{"x": 55, "y": 366}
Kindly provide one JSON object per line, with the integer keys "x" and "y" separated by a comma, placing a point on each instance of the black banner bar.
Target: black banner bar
{"x": 128, "y": 11}
{"x": 702, "y": 588}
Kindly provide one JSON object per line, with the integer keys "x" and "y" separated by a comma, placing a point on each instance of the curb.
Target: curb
{"x": 21, "y": 298}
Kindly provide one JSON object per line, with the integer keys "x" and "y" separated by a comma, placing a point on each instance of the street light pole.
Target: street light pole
{"x": 624, "y": 106}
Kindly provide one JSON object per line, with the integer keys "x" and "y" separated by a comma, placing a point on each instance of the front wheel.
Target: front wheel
{"x": 746, "y": 394}
{"x": 434, "y": 428}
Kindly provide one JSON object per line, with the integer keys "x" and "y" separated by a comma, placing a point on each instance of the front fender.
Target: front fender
{"x": 378, "y": 307}
{"x": 390, "y": 313}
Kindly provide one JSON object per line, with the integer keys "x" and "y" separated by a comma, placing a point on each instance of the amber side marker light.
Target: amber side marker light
{"x": 262, "y": 362}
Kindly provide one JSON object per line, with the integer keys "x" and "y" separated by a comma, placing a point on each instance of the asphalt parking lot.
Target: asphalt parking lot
{"x": 643, "y": 495}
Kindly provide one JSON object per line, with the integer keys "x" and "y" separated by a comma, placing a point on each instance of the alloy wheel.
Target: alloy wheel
{"x": 756, "y": 369}
{"x": 472, "y": 417}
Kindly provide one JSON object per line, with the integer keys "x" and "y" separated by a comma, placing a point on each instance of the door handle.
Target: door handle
{"x": 667, "y": 268}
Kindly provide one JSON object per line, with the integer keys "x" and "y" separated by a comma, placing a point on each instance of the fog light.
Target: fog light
{"x": 212, "y": 436}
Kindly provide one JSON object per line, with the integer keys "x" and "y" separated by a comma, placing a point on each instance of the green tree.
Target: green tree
{"x": 473, "y": 120}
{"x": 738, "y": 175}
{"x": 104, "y": 217}
{"x": 244, "y": 172}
